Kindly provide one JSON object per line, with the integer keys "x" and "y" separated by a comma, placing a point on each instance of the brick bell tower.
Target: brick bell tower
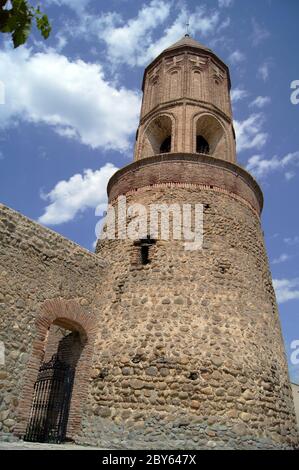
{"x": 186, "y": 104}
{"x": 189, "y": 351}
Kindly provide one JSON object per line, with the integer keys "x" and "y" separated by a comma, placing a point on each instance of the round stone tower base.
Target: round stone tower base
{"x": 190, "y": 353}
{"x": 182, "y": 431}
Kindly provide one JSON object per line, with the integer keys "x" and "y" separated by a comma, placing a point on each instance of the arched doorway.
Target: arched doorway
{"x": 54, "y": 385}
{"x": 78, "y": 326}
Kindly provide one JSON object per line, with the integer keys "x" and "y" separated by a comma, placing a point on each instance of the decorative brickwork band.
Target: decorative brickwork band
{"x": 202, "y": 171}
{"x": 193, "y": 186}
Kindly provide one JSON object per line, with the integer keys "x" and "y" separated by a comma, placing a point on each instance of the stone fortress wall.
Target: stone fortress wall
{"x": 43, "y": 277}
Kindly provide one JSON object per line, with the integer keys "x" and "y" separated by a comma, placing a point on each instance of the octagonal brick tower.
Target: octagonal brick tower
{"x": 186, "y": 95}
{"x": 189, "y": 352}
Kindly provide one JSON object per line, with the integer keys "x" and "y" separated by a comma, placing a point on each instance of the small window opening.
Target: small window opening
{"x": 193, "y": 376}
{"x": 165, "y": 147}
{"x": 103, "y": 374}
{"x": 145, "y": 244}
{"x": 144, "y": 251}
{"x": 202, "y": 145}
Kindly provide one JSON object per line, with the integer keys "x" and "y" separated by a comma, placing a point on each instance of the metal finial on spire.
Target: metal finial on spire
{"x": 187, "y": 29}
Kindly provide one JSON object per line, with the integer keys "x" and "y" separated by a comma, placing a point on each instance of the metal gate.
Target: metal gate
{"x": 51, "y": 402}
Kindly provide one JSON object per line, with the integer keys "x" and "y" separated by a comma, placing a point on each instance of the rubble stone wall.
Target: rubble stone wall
{"x": 192, "y": 356}
{"x": 43, "y": 278}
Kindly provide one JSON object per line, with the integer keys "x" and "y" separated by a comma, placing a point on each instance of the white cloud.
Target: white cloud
{"x": 281, "y": 259}
{"x": 264, "y": 70}
{"x": 236, "y": 57}
{"x": 249, "y": 133}
{"x": 128, "y": 41}
{"x": 260, "y": 166}
{"x": 199, "y": 22}
{"x": 238, "y": 94}
{"x": 80, "y": 192}
{"x": 291, "y": 240}
{"x": 131, "y": 41}
{"x": 225, "y": 24}
{"x": 289, "y": 175}
{"x": 77, "y": 5}
{"x": 225, "y": 3}
{"x": 259, "y": 34}
{"x": 261, "y": 101}
{"x": 286, "y": 289}
{"x": 61, "y": 42}
{"x": 73, "y": 98}
{"x": 68, "y": 132}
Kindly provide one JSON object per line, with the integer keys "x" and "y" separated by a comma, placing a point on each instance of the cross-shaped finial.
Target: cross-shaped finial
{"x": 187, "y": 29}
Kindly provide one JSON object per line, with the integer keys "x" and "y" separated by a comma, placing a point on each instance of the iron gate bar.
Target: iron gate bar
{"x": 51, "y": 402}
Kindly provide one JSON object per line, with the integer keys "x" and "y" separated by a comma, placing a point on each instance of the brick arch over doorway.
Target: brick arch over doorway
{"x": 68, "y": 314}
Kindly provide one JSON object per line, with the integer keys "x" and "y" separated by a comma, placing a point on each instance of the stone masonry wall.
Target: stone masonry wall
{"x": 184, "y": 352}
{"x": 42, "y": 276}
{"x": 192, "y": 354}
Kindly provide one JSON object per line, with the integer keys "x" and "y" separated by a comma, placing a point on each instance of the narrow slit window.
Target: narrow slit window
{"x": 144, "y": 251}
{"x": 144, "y": 245}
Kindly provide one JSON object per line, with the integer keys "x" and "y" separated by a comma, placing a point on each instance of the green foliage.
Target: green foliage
{"x": 18, "y": 20}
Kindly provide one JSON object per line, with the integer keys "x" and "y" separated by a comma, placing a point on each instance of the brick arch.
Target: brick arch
{"x": 68, "y": 314}
{"x": 197, "y": 77}
{"x": 173, "y": 88}
{"x": 152, "y": 135}
{"x": 214, "y": 131}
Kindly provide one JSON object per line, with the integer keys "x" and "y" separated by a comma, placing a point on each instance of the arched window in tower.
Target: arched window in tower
{"x": 166, "y": 145}
{"x": 158, "y": 137}
{"x": 202, "y": 145}
{"x": 209, "y": 134}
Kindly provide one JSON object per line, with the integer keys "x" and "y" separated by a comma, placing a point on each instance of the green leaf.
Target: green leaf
{"x": 44, "y": 26}
{"x": 18, "y": 20}
{"x": 20, "y": 35}
{"x": 4, "y": 20}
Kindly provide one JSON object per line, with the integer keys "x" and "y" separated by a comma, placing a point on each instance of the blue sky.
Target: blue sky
{"x": 72, "y": 105}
